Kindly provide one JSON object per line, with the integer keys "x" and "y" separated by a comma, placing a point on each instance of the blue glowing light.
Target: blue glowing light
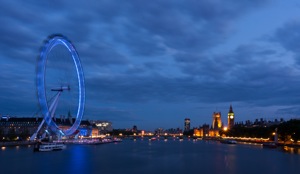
{"x": 41, "y": 68}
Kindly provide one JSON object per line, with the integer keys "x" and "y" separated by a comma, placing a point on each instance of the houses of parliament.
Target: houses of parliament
{"x": 217, "y": 125}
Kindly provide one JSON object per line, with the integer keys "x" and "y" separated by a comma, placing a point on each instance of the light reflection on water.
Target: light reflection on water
{"x": 147, "y": 157}
{"x": 291, "y": 150}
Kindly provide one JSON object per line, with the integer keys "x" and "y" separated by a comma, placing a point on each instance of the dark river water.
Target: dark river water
{"x": 146, "y": 157}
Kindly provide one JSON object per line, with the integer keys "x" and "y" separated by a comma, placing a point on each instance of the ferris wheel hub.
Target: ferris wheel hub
{"x": 62, "y": 88}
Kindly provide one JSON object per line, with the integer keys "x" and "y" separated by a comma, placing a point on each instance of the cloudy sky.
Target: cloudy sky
{"x": 154, "y": 63}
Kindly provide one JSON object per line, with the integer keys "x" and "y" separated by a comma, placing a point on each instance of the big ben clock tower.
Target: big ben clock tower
{"x": 230, "y": 118}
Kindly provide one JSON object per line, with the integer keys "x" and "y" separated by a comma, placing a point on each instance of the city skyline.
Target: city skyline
{"x": 152, "y": 64}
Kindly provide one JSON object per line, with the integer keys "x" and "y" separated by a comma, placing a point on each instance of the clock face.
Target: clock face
{"x": 231, "y": 116}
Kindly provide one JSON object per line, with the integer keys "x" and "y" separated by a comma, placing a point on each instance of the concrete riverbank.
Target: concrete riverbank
{"x": 16, "y": 143}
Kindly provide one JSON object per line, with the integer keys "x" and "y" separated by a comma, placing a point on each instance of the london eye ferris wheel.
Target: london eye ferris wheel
{"x": 60, "y": 84}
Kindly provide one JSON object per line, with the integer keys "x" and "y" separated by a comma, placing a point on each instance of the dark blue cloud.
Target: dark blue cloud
{"x": 150, "y": 52}
{"x": 288, "y": 36}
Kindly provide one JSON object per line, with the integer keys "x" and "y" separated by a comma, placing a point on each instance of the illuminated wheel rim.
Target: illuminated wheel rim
{"x": 41, "y": 91}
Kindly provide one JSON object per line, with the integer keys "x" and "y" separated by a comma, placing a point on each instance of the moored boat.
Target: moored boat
{"x": 228, "y": 141}
{"x": 153, "y": 139}
{"x": 91, "y": 141}
{"x": 117, "y": 140}
{"x": 46, "y": 147}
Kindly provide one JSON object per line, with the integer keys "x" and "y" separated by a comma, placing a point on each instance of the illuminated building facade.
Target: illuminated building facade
{"x": 217, "y": 123}
{"x": 214, "y": 133}
{"x": 202, "y": 131}
{"x": 10, "y": 126}
{"x": 230, "y": 118}
{"x": 187, "y": 124}
{"x": 103, "y": 126}
{"x": 26, "y": 126}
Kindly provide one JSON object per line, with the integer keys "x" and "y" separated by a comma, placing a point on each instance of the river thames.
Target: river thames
{"x": 145, "y": 157}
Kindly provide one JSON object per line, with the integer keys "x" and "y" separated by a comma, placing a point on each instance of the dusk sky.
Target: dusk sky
{"x": 154, "y": 63}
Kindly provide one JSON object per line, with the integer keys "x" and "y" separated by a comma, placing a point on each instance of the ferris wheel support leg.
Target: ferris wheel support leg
{"x": 52, "y": 111}
{"x": 35, "y": 134}
{"x": 53, "y": 105}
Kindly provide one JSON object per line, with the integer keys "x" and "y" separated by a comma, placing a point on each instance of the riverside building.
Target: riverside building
{"x": 187, "y": 124}
{"x": 26, "y": 126}
{"x": 216, "y": 122}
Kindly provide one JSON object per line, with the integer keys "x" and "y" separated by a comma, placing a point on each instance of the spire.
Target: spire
{"x": 230, "y": 109}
